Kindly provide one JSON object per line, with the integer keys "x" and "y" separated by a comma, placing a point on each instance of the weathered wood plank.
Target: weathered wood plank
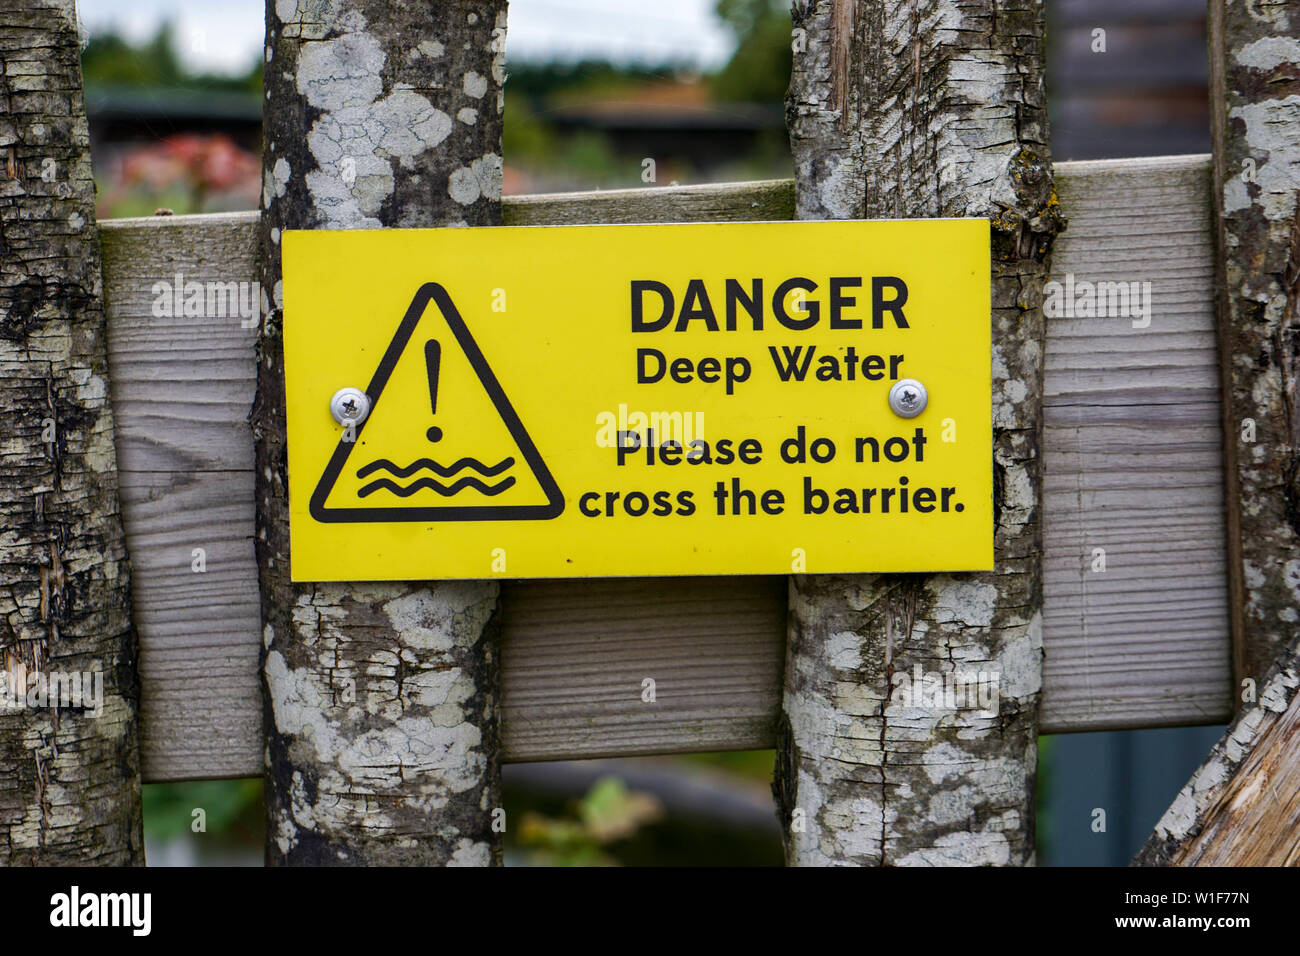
{"x": 1144, "y": 644}
{"x": 182, "y": 389}
{"x": 200, "y": 697}
{"x": 183, "y": 381}
{"x": 728, "y": 202}
{"x": 1133, "y": 455}
{"x": 577, "y": 654}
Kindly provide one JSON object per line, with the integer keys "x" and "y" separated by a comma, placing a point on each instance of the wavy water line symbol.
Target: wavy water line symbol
{"x": 445, "y": 490}
{"x": 442, "y": 471}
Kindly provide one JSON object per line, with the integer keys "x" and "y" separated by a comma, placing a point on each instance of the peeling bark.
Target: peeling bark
{"x": 69, "y": 768}
{"x": 1255, "y": 118}
{"x": 382, "y": 703}
{"x": 920, "y": 109}
{"x": 1242, "y": 806}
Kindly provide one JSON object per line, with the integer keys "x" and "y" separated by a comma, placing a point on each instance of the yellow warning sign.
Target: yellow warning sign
{"x": 747, "y": 398}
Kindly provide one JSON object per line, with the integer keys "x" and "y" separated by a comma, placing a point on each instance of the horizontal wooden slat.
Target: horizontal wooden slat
{"x": 577, "y": 654}
{"x": 1130, "y": 458}
{"x": 772, "y": 199}
{"x": 1133, "y": 461}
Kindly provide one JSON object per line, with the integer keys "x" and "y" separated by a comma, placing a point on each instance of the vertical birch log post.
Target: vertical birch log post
{"x": 382, "y": 704}
{"x": 1255, "y": 121}
{"x": 921, "y": 109}
{"x": 69, "y": 769}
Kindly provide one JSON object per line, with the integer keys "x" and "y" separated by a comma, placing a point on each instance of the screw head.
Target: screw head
{"x": 350, "y": 406}
{"x": 908, "y": 398}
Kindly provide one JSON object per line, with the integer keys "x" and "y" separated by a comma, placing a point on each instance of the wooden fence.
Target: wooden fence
{"x": 1168, "y": 582}
{"x": 1132, "y": 460}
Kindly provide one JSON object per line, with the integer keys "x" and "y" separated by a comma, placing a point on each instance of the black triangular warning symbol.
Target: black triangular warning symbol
{"x": 442, "y": 480}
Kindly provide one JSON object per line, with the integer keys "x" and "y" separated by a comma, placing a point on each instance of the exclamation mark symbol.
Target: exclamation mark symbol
{"x": 432, "y": 359}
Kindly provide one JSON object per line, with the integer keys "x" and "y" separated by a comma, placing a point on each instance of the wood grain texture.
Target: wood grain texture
{"x": 182, "y": 387}
{"x": 1150, "y": 651}
{"x": 577, "y": 654}
{"x": 1133, "y": 466}
{"x": 771, "y": 199}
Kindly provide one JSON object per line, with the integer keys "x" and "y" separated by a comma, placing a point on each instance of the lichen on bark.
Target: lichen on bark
{"x": 1255, "y": 117}
{"x": 929, "y": 108}
{"x": 382, "y": 707}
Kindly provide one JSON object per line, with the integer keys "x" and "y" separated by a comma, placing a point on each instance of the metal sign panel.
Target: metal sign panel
{"x": 572, "y": 401}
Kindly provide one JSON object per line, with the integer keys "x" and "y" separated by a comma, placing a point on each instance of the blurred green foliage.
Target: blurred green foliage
{"x": 229, "y": 805}
{"x": 180, "y": 201}
{"x": 111, "y": 60}
{"x": 759, "y": 69}
{"x": 588, "y": 154}
{"x": 609, "y": 812}
{"x": 585, "y": 157}
{"x": 750, "y": 764}
{"x": 525, "y": 134}
{"x": 542, "y": 81}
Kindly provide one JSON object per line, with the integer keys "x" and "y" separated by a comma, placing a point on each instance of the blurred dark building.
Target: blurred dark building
{"x": 1145, "y": 95}
{"x": 196, "y": 148}
{"x": 122, "y": 117}
{"x": 700, "y": 134}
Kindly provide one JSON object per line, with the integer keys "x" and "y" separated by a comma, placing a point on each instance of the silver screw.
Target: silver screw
{"x": 350, "y": 406}
{"x": 908, "y": 398}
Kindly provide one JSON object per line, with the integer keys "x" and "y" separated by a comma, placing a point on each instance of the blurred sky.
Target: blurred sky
{"x": 225, "y": 35}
